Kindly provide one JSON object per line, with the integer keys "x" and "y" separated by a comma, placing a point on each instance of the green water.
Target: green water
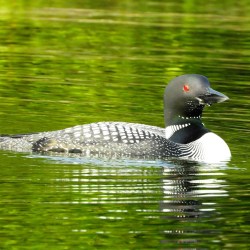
{"x": 67, "y": 63}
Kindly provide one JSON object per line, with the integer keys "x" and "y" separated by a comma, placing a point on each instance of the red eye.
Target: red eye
{"x": 186, "y": 88}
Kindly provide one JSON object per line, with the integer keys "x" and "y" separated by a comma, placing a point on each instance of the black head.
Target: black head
{"x": 186, "y": 96}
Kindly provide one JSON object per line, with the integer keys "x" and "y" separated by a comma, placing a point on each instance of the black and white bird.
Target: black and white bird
{"x": 184, "y": 135}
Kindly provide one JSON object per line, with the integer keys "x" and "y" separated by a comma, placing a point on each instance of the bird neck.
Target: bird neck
{"x": 181, "y": 113}
{"x": 181, "y": 128}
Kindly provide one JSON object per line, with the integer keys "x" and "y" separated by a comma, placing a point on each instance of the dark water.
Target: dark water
{"x": 67, "y": 63}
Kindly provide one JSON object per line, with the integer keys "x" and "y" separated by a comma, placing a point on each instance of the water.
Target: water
{"x": 72, "y": 63}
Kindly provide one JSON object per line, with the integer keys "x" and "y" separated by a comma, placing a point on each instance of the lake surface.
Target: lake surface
{"x": 68, "y": 63}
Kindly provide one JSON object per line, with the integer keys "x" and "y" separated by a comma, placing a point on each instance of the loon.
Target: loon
{"x": 184, "y": 135}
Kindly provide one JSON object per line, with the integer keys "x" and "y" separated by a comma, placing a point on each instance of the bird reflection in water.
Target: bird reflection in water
{"x": 190, "y": 192}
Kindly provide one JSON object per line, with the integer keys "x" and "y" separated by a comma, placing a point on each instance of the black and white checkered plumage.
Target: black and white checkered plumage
{"x": 184, "y": 135}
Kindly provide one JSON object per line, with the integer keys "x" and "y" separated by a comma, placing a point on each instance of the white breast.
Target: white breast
{"x": 209, "y": 148}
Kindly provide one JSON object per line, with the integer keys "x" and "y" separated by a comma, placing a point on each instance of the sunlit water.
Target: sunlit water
{"x": 63, "y": 65}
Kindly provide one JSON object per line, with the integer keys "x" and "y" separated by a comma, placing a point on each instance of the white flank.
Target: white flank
{"x": 209, "y": 148}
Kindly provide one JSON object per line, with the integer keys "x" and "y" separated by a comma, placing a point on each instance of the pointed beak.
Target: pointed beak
{"x": 212, "y": 96}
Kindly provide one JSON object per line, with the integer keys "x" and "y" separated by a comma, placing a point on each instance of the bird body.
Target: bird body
{"x": 183, "y": 137}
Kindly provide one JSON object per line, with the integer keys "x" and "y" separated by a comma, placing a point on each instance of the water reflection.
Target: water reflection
{"x": 185, "y": 185}
{"x": 185, "y": 203}
{"x": 170, "y": 199}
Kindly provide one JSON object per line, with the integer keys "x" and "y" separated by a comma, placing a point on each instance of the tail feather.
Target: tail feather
{"x": 15, "y": 136}
{"x": 16, "y": 142}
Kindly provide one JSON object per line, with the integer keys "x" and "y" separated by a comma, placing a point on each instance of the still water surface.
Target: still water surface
{"x": 66, "y": 64}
